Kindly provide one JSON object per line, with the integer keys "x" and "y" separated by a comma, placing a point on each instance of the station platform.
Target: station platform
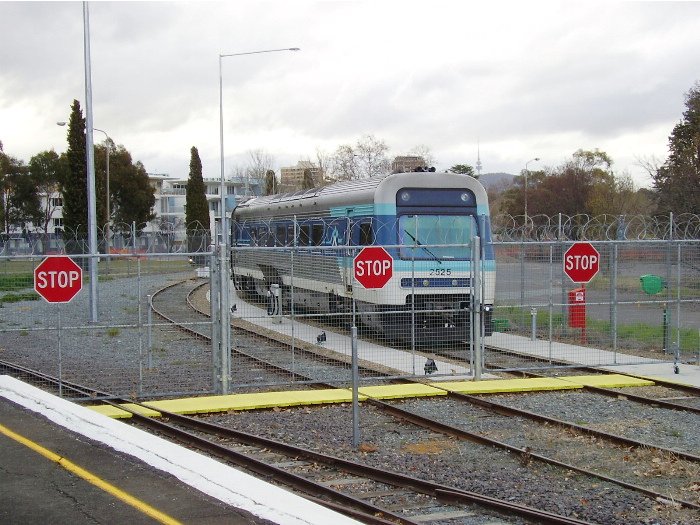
{"x": 618, "y": 362}
{"x": 113, "y": 473}
{"x": 402, "y": 362}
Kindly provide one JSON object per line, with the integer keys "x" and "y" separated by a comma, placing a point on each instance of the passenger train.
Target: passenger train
{"x": 305, "y": 243}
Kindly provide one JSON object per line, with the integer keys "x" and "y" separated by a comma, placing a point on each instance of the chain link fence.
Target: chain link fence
{"x": 643, "y": 306}
{"x": 129, "y": 351}
{"x": 449, "y": 309}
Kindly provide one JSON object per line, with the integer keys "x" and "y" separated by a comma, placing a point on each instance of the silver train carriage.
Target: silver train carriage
{"x": 305, "y": 243}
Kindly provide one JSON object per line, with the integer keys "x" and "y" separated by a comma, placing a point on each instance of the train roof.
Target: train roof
{"x": 362, "y": 190}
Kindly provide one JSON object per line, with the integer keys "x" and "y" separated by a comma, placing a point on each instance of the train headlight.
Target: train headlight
{"x": 405, "y": 196}
{"x": 464, "y": 197}
{"x": 426, "y": 283}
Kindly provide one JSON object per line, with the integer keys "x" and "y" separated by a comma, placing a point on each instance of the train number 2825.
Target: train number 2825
{"x": 440, "y": 271}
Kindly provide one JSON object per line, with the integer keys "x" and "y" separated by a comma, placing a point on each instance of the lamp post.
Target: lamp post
{"x": 536, "y": 159}
{"x": 107, "y": 232}
{"x": 221, "y": 127}
{"x": 225, "y": 325}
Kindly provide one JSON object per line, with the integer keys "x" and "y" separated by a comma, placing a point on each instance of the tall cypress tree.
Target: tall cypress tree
{"x": 74, "y": 187}
{"x": 677, "y": 182}
{"x": 196, "y": 208}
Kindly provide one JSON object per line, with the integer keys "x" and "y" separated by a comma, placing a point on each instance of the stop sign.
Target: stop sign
{"x": 373, "y": 267}
{"x": 58, "y": 279}
{"x": 581, "y": 262}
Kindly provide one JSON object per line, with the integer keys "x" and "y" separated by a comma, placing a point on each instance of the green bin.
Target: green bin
{"x": 651, "y": 284}
{"x": 501, "y": 325}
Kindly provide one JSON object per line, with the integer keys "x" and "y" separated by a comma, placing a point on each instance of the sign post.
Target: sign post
{"x": 58, "y": 280}
{"x": 373, "y": 267}
{"x": 581, "y": 264}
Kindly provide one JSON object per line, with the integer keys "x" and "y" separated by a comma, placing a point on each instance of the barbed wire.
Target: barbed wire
{"x": 582, "y": 227}
{"x": 160, "y": 237}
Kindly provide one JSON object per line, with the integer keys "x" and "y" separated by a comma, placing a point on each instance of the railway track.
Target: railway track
{"x": 525, "y": 455}
{"x": 369, "y": 494}
{"x": 613, "y": 440}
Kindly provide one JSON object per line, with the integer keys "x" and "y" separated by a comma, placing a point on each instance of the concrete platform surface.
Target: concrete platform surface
{"x": 179, "y": 485}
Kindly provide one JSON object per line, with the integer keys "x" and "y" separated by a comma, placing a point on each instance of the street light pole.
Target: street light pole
{"x": 221, "y": 127}
{"x": 107, "y": 196}
{"x": 225, "y": 324}
{"x": 536, "y": 159}
{"x": 90, "y": 154}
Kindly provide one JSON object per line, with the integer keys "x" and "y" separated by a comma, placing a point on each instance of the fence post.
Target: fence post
{"x": 522, "y": 281}
{"x": 476, "y": 308}
{"x": 355, "y": 394}
{"x": 613, "y": 298}
{"x": 149, "y": 339}
{"x": 139, "y": 323}
{"x": 667, "y": 320}
{"x": 225, "y": 319}
{"x": 215, "y": 320}
{"x": 677, "y": 346}
{"x": 560, "y": 233}
{"x": 551, "y": 297}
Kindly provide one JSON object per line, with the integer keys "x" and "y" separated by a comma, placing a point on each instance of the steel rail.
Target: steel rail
{"x": 435, "y": 425}
{"x": 382, "y": 475}
{"x": 609, "y": 392}
{"x": 510, "y": 411}
{"x": 460, "y": 433}
{"x": 400, "y": 413}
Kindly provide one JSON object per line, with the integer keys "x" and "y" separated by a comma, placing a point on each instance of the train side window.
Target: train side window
{"x": 305, "y": 235}
{"x": 317, "y": 234}
{"x": 290, "y": 235}
{"x": 253, "y": 236}
{"x": 366, "y": 234}
{"x": 280, "y": 235}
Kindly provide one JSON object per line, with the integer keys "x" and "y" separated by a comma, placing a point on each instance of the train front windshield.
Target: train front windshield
{"x": 436, "y": 237}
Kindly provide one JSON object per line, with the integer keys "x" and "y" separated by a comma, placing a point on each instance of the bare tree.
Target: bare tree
{"x": 344, "y": 165}
{"x": 421, "y": 150}
{"x": 367, "y": 158}
{"x": 324, "y": 161}
{"x": 259, "y": 163}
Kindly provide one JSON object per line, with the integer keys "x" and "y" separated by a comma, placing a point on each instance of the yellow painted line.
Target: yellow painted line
{"x": 116, "y": 413}
{"x": 500, "y": 386}
{"x": 256, "y": 401}
{"x": 71, "y": 467}
{"x": 401, "y": 391}
{"x": 211, "y": 404}
{"x": 608, "y": 380}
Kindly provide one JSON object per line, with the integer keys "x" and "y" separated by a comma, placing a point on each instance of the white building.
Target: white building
{"x": 169, "y": 209}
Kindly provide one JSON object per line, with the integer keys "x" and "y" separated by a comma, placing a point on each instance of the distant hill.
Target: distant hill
{"x": 489, "y": 180}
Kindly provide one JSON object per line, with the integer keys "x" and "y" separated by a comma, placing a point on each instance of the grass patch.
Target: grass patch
{"x": 643, "y": 335}
{"x": 16, "y": 281}
{"x": 113, "y": 332}
{"x": 18, "y": 297}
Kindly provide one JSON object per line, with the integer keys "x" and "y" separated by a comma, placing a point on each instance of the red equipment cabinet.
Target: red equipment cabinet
{"x": 577, "y": 308}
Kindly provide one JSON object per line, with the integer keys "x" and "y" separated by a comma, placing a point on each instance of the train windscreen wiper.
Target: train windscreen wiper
{"x": 435, "y": 257}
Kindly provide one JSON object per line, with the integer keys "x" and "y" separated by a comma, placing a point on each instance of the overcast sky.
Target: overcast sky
{"x": 522, "y": 80}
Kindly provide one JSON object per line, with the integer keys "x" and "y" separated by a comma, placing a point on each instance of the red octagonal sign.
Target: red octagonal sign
{"x": 373, "y": 267}
{"x": 58, "y": 279}
{"x": 581, "y": 262}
